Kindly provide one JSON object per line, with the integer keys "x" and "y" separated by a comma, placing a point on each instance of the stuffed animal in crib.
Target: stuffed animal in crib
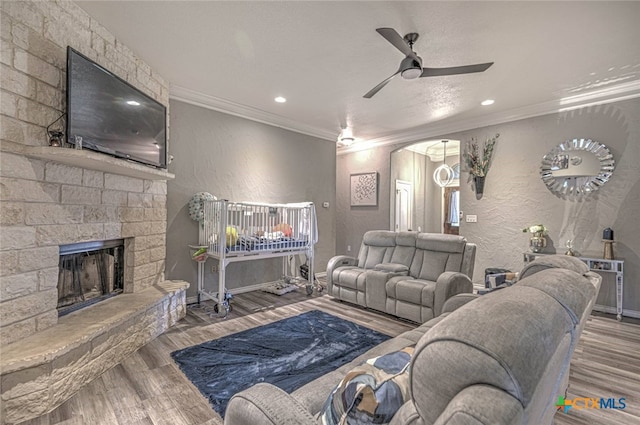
{"x": 284, "y": 228}
{"x": 232, "y": 236}
{"x": 272, "y": 236}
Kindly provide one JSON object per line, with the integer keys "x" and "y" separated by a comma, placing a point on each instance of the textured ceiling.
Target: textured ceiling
{"x": 324, "y": 56}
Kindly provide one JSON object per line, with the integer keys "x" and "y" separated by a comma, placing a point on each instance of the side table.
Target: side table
{"x": 598, "y": 265}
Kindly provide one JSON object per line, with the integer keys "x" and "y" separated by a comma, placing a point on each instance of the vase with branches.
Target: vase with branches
{"x": 478, "y": 160}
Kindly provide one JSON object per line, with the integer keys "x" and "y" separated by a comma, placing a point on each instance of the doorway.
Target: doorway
{"x": 417, "y": 201}
{"x": 451, "y": 210}
{"x": 404, "y": 206}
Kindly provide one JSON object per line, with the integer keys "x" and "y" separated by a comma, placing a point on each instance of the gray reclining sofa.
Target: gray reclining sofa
{"x": 406, "y": 274}
{"x": 499, "y": 358}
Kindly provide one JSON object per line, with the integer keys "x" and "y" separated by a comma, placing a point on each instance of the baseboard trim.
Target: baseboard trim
{"x": 612, "y": 310}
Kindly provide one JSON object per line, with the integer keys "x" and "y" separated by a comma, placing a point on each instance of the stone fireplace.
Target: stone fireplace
{"x": 53, "y": 197}
{"x": 72, "y": 204}
{"x": 83, "y": 234}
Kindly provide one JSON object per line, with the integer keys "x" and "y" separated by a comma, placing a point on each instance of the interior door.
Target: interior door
{"x": 404, "y": 205}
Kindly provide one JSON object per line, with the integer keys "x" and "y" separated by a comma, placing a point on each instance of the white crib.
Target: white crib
{"x": 243, "y": 231}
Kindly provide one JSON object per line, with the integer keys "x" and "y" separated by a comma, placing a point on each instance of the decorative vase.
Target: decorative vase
{"x": 570, "y": 251}
{"x": 537, "y": 243}
{"x": 479, "y": 184}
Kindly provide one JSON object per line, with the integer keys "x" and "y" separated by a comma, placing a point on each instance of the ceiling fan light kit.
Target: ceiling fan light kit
{"x": 412, "y": 71}
{"x": 411, "y": 66}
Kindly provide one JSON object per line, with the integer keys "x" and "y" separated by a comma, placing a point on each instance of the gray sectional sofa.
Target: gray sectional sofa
{"x": 406, "y": 274}
{"x": 500, "y": 358}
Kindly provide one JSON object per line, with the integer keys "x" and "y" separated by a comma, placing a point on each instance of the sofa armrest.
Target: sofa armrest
{"x": 266, "y": 404}
{"x": 468, "y": 259}
{"x": 398, "y": 269}
{"x": 457, "y": 301}
{"x": 448, "y": 285}
{"x": 338, "y": 261}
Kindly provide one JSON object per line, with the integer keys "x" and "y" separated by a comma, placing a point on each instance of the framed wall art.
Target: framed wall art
{"x": 364, "y": 189}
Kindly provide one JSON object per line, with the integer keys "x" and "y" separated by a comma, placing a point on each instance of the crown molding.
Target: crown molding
{"x": 221, "y": 105}
{"x": 434, "y": 149}
{"x": 617, "y": 93}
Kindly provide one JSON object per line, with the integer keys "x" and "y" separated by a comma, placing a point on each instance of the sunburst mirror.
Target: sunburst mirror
{"x": 576, "y": 168}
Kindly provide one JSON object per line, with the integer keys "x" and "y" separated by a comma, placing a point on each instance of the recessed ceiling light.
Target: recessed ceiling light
{"x": 487, "y": 102}
{"x": 280, "y": 99}
{"x": 133, "y": 103}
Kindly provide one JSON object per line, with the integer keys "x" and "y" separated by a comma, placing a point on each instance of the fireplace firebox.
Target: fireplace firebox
{"x": 89, "y": 272}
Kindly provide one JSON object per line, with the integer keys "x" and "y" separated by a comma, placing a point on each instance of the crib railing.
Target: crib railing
{"x": 238, "y": 228}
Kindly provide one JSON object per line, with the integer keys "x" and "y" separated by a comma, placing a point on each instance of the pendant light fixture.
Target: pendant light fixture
{"x": 345, "y": 138}
{"x": 444, "y": 168}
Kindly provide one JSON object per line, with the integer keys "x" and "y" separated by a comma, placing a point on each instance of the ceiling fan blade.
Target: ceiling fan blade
{"x": 394, "y": 38}
{"x": 454, "y": 70}
{"x": 377, "y": 88}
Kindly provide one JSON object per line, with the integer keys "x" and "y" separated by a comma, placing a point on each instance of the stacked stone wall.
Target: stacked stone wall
{"x": 46, "y": 204}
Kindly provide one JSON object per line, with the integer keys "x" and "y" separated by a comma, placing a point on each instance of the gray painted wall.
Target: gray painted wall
{"x": 353, "y": 222}
{"x": 242, "y": 160}
{"x": 515, "y": 196}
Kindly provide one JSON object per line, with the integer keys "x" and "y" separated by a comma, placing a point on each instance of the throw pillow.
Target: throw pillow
{"x": 372, "y": 392}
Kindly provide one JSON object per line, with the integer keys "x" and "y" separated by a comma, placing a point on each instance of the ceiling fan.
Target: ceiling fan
{"x": 411, "y": 65}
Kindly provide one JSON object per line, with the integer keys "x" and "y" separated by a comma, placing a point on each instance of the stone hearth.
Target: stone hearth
{"x": 40, "y": 372}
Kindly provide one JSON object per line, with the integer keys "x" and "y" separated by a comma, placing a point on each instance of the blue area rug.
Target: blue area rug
{"x": 288, "y": 353}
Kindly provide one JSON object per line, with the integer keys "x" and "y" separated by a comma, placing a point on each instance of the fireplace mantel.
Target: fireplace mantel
{"x": 91, "y": 160}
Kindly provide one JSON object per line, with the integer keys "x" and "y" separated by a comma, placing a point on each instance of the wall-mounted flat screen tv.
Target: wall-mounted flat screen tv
{"x": 111, "y": 116}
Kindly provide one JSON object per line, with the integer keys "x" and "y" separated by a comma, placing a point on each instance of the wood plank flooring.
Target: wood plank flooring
{"x": 149, "y": 389}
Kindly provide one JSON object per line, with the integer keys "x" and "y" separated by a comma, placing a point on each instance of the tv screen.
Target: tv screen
{"x": 112, "y": 116}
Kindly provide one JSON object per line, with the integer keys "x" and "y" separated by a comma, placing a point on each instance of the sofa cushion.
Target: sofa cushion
{"x": 379, "y": 238}
{"x": 350, "y": 277}
{"x": 377, "y": 247}
{"x": 405, "y": 248}
{"x": 372, "y": 392}
{"x": 411, "y": 299}
{"x": 429, "y": 264}
{"x": 413, "y": 291}
{"x": 406, "y": 239}
{"x": 437, "y": 253}
{"x": 441, "y": 242}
